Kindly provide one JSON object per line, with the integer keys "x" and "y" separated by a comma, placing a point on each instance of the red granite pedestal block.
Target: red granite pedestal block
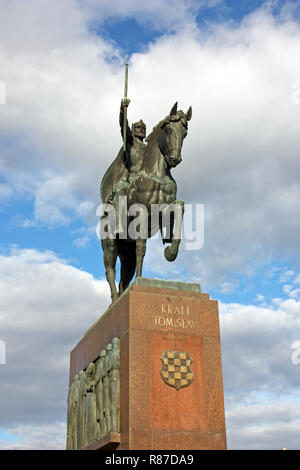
{"x": 151, "y": 318}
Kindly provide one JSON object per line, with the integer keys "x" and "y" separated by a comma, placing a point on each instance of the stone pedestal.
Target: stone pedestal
{"x": 170, "y": 367}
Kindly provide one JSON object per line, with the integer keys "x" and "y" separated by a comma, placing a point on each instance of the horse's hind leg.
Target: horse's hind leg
{"x": 110, "y": 254}
{"x": 140, "y": 254}
{"x": 128, "y": 265}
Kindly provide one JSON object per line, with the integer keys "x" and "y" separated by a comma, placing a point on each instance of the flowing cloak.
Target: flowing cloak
{"x": 115, "y": 172}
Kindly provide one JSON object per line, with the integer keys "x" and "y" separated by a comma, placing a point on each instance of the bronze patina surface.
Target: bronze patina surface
{"x": 94, "y": 401}
{"x": 141, "y": 174}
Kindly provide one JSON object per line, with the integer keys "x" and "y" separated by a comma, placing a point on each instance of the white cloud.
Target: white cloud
{"x": 5, "y": 191}
{"x": 287, "y": 288}
{"x": 162, "y": 15}
{"x": 43, "y": 26}
{"x": 64, "y": 285}
{"x": 261, "y": 381}
{"x": 42, "y": 437}
{"x": 259, "y": 298}
{"x": 277, "y": 301}
{"x": 83, "y": 236}
{"x": 257, "y": 342}
{"x": 54, "y": 198}
{"x": 291, "y": 289}
{"x": 270, "y": 425}
{"x": 286, "y": 275}
{"x": 228, "y": 286}
{"x": 62, "y": 116}
{"x": 81, "y": 242}
{"x": 294, "y": 293}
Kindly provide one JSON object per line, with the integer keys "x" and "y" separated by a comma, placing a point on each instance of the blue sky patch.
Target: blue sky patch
{"x": 129, "y": 36}
{"x": 6, "y": 436}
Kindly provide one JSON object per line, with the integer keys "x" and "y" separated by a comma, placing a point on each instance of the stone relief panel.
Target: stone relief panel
{"x": 94, "y": 399}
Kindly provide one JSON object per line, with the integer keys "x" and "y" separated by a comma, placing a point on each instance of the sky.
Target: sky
{"x": 61, "y": 81}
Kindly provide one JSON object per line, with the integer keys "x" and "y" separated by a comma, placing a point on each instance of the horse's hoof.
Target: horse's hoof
{"x": 169, "y": 254}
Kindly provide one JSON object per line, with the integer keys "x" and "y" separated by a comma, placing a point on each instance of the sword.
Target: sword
{"x": 125, "y": 108}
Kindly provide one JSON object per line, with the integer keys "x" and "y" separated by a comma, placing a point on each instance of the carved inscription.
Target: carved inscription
{"x": 175, "y": 335}
{"x": 174, "y": 316}
{"x": 169, "y": 309}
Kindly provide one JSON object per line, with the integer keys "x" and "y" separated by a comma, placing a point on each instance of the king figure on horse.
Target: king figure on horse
{"x": 141, "y": 175}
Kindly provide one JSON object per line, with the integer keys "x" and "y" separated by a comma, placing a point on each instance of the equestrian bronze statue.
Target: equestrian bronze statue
{"x": 139, "y": 195}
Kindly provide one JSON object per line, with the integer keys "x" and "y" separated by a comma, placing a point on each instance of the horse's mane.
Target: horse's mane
{"x": 173, "y": 117}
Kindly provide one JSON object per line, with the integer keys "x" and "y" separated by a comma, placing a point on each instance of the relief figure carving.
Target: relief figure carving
{"x": 94, "y": 399}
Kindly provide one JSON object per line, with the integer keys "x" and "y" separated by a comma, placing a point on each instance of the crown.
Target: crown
{"x": 139, "y": 123}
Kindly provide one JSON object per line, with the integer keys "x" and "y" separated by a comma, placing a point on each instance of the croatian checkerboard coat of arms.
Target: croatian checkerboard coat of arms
{"x": 176, "y": 370}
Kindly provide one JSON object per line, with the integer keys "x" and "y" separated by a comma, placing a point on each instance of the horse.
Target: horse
{"x": 151, "y": 187}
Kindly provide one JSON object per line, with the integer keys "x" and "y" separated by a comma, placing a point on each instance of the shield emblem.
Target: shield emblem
{"x": 176, "y": 370}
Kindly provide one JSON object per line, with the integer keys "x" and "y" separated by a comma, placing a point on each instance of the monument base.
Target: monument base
{"x": 109, "y": 442}
{"x": 171, "y": 391}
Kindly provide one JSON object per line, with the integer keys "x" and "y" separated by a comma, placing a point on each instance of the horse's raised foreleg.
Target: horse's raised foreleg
{"x": 140, "y": 254}
{"x": 110, "y": 254}
{"x": 176, "y": 214}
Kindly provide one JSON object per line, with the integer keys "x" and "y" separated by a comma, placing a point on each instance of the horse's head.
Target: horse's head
{"x": 173, "y": 131}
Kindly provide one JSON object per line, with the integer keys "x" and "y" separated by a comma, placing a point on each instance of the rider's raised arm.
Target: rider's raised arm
{"x": 124, "y": 104}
